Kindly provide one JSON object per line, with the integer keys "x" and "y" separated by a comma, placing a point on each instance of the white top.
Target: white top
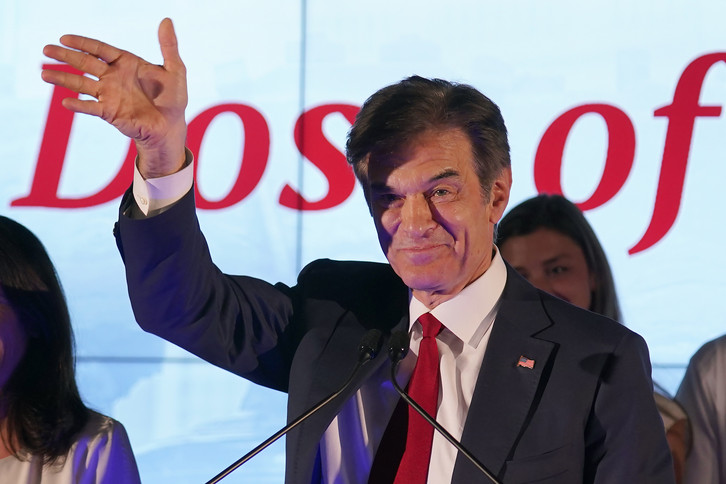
{"x": 468, "y": 320}
{"x": 703, "y": 395}
{"x": 101, "y": 455}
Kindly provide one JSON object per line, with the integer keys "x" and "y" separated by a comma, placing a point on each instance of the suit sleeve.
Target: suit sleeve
{"x": 238, "y": 323}
{"x": 625, "y": 438}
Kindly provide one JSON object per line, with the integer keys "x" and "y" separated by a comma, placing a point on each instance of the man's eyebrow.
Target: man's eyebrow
{"x": 447, "y": 173}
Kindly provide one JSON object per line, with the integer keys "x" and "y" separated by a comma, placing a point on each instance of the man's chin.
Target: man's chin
{"x": 421, "y": 262}
{"x": 424, "y": 281}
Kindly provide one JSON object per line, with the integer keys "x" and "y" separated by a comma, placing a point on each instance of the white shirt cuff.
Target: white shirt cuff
{"x": 153, "y": 195}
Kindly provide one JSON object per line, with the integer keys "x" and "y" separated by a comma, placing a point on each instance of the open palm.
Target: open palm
{"x": 144, "y": 101}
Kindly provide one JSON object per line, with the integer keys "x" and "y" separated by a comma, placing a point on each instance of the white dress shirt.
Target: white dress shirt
{"x": 154, "y": 195}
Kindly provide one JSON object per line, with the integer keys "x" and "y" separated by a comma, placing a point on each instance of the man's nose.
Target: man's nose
{"x": 417, "y": 217}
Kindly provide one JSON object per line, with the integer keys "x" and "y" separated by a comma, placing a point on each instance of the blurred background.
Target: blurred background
{"x": 616, "y": 104}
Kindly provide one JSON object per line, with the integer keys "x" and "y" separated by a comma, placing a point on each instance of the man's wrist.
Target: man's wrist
{"x": 154, "y": 195}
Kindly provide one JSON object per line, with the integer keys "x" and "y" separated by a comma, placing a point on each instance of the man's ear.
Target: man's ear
{"x": 499, "y": 194}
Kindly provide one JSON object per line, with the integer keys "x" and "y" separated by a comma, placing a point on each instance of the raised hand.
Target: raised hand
{"x": 144, "y": 101}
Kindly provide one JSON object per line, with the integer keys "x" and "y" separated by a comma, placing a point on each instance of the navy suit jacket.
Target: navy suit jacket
{"x": 584, "y": 413}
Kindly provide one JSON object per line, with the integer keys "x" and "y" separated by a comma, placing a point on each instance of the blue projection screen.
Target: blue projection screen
{"x": 618, "y": 105}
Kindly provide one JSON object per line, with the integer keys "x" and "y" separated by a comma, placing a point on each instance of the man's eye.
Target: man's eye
{"x": 387, "y": 199}
{"x": 440, "y": 192}
{"x": 558, "y": 270}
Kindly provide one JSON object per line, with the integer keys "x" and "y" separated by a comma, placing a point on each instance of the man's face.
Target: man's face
{"x": 434, "y": 223}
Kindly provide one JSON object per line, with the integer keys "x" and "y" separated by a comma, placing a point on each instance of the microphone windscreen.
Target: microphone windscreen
{"x": 398, "y": 346}
{"x": 370, "y": 345}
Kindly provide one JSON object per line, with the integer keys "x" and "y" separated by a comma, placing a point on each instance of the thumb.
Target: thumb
{"x": 169, "y": 46}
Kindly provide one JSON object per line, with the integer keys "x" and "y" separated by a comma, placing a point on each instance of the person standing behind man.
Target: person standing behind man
{"x": 703, "y": 394}
{"x": 527, "y": 391}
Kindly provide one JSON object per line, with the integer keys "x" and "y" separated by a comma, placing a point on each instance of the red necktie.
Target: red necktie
{"x": 424, "y": 389}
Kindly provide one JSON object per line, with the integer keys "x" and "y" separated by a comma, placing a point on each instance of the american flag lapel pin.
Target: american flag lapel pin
{"x": 525, "y": 362}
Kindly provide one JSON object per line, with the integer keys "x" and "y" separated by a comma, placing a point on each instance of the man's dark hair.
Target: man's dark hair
{"x": 396, "y": 115}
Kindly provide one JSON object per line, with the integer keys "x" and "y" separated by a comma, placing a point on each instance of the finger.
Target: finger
{"x": 83, "y": 106}
{"x": 79, "y": 60}
{"x": 74, "y": 82}
{"x": 170, "y": 47}
{"x": 94, "y": 47}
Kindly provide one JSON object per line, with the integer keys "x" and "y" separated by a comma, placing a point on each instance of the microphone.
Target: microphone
{"x": 397, "y": 351}
{"x": 368, "y": 349}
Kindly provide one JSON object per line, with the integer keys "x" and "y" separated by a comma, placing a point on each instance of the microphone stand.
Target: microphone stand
{"x": 397, "y": 351}
{"x": 367, "y": 350}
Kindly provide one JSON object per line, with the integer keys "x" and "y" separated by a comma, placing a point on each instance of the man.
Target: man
{"x": 536, "y": 389}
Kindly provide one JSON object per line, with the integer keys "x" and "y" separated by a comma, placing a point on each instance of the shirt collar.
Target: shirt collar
{"x": 470, "y": 313}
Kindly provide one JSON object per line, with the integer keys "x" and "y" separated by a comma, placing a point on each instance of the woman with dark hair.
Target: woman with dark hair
{"x": 548, "y": 240}
{"x": 554, "y": 222}
{"x": 47, "y": 434}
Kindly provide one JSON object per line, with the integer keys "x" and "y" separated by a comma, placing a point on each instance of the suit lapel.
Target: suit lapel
{"x": 330, "y": 374}
{"x": 322, "y": 384}
{"x": 506, "y": 390}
